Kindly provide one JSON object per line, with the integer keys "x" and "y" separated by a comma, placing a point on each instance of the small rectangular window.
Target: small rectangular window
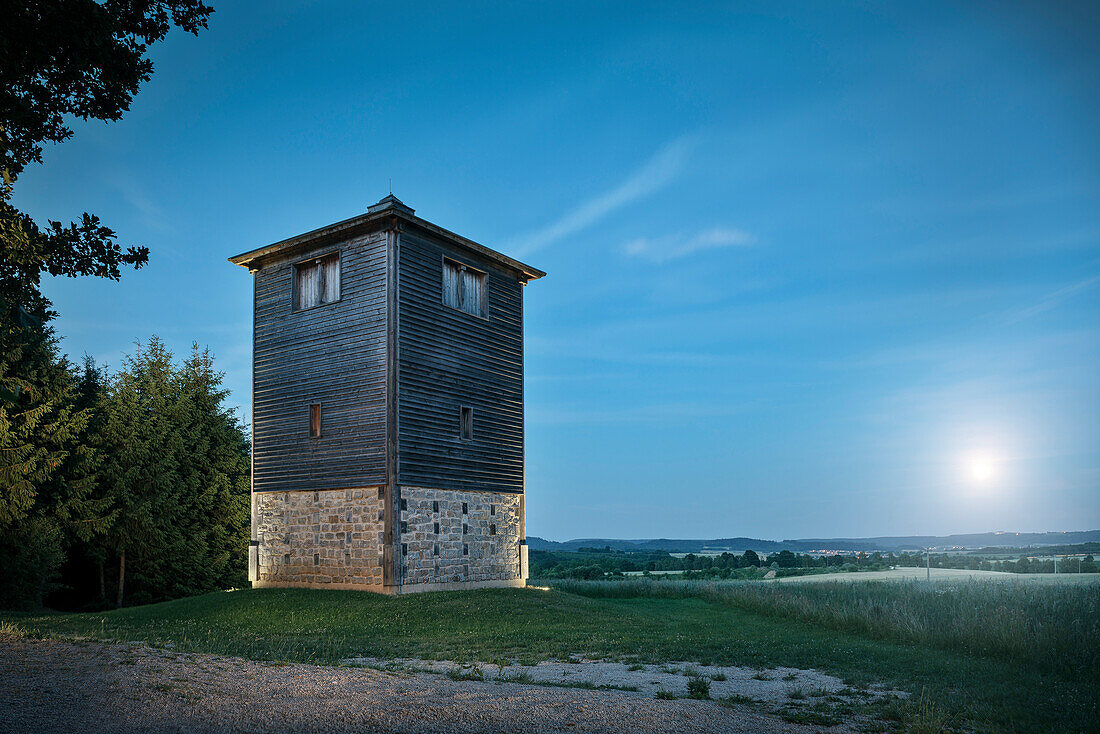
{"x": 464, "y": 288}
{"x": 466, "y": 422}
{"x": 435, "y": 506}
{"x": 317, "y": 281}
{"x": 437, "y": 528}
{"x": 492, "y": 530}
{"x": 465, "y": 549}
{"x": 315, "y": 421}
{"x": 465, "y": 509}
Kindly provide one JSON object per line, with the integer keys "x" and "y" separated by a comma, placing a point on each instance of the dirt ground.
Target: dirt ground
{"x": 70, "y": 687}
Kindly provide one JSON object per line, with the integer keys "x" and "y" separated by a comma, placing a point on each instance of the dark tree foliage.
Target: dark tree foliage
{"x": 176, "y": 473}
{"x": 59, "y": 59}
{"x": 77, "y": 58}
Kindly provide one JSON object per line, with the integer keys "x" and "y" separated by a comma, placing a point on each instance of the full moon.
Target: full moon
{"x": 981, "y": 469}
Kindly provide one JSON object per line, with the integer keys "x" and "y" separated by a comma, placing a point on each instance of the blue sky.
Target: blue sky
{"x": 815, "y": 269}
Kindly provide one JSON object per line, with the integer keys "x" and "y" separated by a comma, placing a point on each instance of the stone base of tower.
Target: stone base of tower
{"x": 334, "y": 539}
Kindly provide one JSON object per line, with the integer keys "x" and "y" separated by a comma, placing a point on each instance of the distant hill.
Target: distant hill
{"x": 803, "y": 545}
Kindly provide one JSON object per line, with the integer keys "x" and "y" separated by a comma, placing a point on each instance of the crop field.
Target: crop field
{"x": 976, "y": 656}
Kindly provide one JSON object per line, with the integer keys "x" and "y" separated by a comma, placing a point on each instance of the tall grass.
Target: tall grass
{"x": 1056, "y": 627}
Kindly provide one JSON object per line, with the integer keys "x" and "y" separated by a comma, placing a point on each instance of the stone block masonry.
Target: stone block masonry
{"x": 454, "y": 537}
{"x": 326, "y": 539}
{"x": 447, "y": 539}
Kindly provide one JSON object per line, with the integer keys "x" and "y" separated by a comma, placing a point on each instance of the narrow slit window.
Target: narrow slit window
{"x": 466, "y": 422}
{"x": 464, "y": 288}
{"x": 317, "y": 281}
{"x": 315, "y": 420}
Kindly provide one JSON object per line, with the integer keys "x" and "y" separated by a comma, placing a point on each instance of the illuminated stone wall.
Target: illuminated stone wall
{"x": 443, "y": 544}
{"x": 334, "y": 539}
{"x": 330, "y": 538}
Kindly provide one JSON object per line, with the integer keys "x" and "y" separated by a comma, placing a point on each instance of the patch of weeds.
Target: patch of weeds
{"x": 819, "y": 692}
{"x": 669, "y": 669}
{"x": 162, "y": 687}
{"x": 666, "y": 695}
{"x": 499, "y": 662}
{"x": 790, "y": 677}
{"x": 128, "y": 661}
{"x": 521, "y": 677}
{"x": 804, "y": 716}
{"x": 718, "y": 676}
{"x": 922, "y": 716}
{"x": 762, "y": 675}
{"x": 795, "y": 693}
{"x": 891, "y": 710}
{"x": 9, "y": 629}
{"x": 635, "y": 666}
{"x": 690, "y": 671}
{"x": 699, "y": 687}
{"x": 474, "y": 673}
{"x": 736, "y": 699}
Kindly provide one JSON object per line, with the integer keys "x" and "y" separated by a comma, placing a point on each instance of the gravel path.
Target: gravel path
{"x": 52, "y": 686}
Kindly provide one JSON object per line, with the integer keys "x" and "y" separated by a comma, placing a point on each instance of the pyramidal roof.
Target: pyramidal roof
{"x": 388, "y": 208}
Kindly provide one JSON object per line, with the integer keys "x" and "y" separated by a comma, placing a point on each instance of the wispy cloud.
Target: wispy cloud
{"x": 674, "y": 247}
{"x": 1051, "y": 300}
{"x": 656, "y": 173}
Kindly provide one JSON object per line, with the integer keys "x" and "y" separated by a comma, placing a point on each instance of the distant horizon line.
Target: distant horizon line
{"x": 817, "y": 538}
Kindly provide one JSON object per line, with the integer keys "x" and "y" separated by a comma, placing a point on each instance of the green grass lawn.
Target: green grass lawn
{"x": 999, "y": 691}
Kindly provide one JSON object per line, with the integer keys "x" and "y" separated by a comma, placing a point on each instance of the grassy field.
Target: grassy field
{"x": 991, "y": 657}
{"x": 948, "y": 574}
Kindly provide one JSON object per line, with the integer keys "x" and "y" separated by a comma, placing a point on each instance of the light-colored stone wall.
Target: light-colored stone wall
{"x": 435, "y": 555}
{"x": 326, "y": 538}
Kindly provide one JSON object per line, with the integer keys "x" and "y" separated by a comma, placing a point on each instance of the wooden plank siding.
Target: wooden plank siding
{"x": 446, "y": 359}
{"x": 334, "y": 354}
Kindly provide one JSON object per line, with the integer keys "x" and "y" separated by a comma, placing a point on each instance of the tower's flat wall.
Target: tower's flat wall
{"x": 333, "y": 539}
{"x": 323, "y": 539}
{"x": 436, "y": 558}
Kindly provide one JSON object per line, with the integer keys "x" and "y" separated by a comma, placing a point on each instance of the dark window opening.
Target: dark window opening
{"x": 466, "y": 422}
{"x": 435, "y": 507}
{"x": 435, "y": 550}
{"x": 316, "y": 559}
{"x": 286, "y": 559}
{"x": 464, "y": 288}
{"x": 404, "y": 549}
{"x": 404, "y": 504}
{"x": 492, "y": 530}
{"x": 317, "y": 282}
{"x": 464, "y": 510}
{"x": 465, "y": 549}
{"x": 465, "y": 528}
{"x": 492, "y": 509}
{"x": 404, "y": 526}
{"x": 315, "y": 420}
{"x": 437, "y": 528}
